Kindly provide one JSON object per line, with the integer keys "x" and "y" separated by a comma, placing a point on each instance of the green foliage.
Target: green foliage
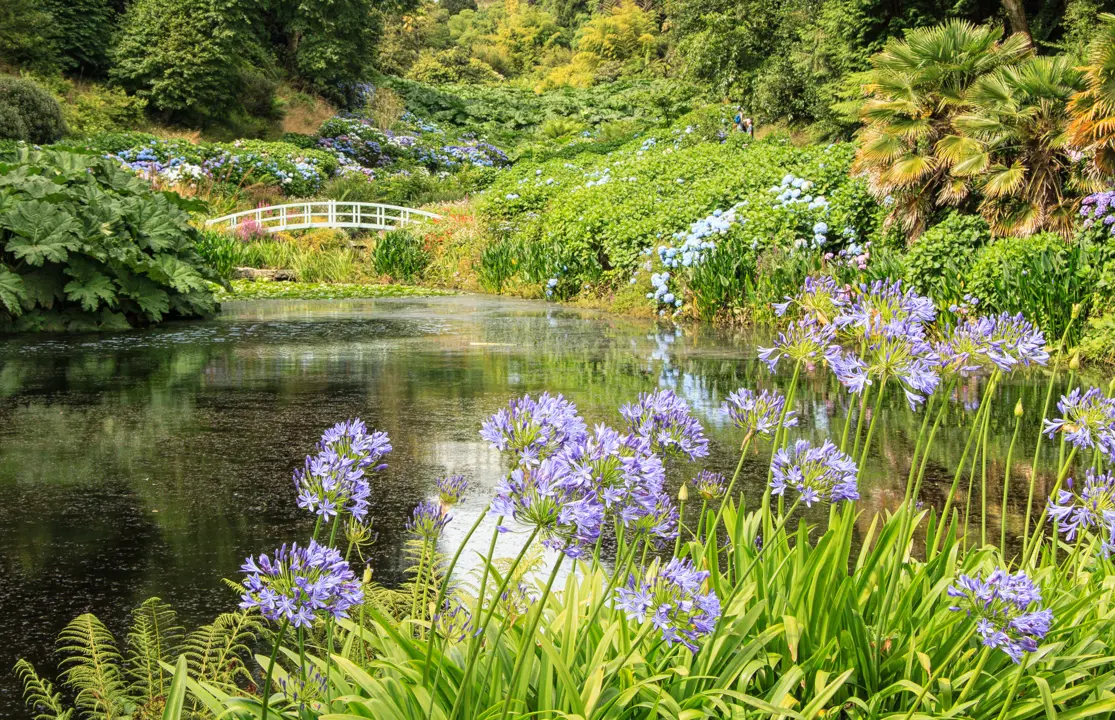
{"x": 400, "y": 254}
{"x": 40, "y": 695}
{"x": 332, "y": 43}
{"x": 1041, "y": 276}
{"x": 28, "y": 36}
{"x": 92, "y": 668}
{"x": 154, "y": 639}
{"x": 938, "y": 262}
{"x": 87, "y": 245}
{"x": 101, "y": 109}
{"x": 83, "y": 30}
{"x": 28, "y": 112}
{"x": 181, "y": 56}
{"x": 248, "y": 290}
{"x": 497, "y": 265}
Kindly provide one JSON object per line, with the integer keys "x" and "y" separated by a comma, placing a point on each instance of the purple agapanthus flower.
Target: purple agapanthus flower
{"x": 804, "y": 340}
{"x": 820, "y": 299}
{"x": 335, "y": 477}
{"x": 1003, "y": 342}
{"x": 1088, "y": 506}
{"x": 1007, "y": 609}
{"x": 710, "y": 485}
{"x": 300, "y": 584}
{"x": 818, "y": 474}
{"x": 672, "y": 597}
{"x": 454, "y": 621}
{"x": 568, "y": 518}
{"x": 616, "y": 467}
{"x": 1087, "y": 420}
{"x": 651, "y": 515}
{"x": 451, "y": 489}
{"x": 427, "y": 521}
{"x": 664, "y": 420}
{"x": 878, "y": 305}
{"x": 534, "y": 429}
{"x": 758, "y": 413}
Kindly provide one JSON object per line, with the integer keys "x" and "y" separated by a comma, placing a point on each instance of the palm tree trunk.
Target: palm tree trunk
{"x": 1017, "y": 16}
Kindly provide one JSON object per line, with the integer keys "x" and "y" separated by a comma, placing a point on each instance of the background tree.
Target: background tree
{"x": 28, "y": 36}
{"x": 1093, "y": 125}
{"x": 84, "y": 31}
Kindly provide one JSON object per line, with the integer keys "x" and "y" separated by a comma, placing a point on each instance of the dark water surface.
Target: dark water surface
{"x": 152, "y": 463}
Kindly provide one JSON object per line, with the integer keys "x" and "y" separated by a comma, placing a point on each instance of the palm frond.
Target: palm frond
{"x": 39, "y": 694}
{"x": 92, "y": 668}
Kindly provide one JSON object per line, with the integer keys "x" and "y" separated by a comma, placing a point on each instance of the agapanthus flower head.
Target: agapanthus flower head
{"x": 300, "y": 584}
{"x": 616, "y": 467}
{"x": 652, "y": 516}
{"x": 896, "y": 351}
{"x": 983, "y": 344}
{"x": 878, "y": 305}
{"x": 568, "y": 518}
{"x": 709, "y": 485}
{"x": 674, "y": 599}
{"x": 820, "y": 299}
{"x": 804, "y": 340}
{"x": 334, "y": 479}
{"x": 534, "y": 429}
{"x": 300, "y": 689}
{"x": 453, "y": 621}
{"x": 818, "y": 474}
{"x": 1087, "y": 420}
{"x": 427, "y": 521}
{"x": 1007, "y": 609}
{"x": 758, "y": 413}
{"x": 664, "y": 420}
{"x": 1085, "y": 506}
{"x": 451, "y": 489}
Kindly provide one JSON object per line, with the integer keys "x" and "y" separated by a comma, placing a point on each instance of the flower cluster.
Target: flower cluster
{"x": 1007, "y": 608}
{"x": 567, "y": 517}
{"x": 662, "y": 293}
{"x": 451, "y": 489}
{"x": 454, "y": 621}
{"x": 758, "y": 413}
{"x": 709, "y": 485}
{"x": 534, "y": 429}
{"x": 1087, "y": 420}
{"x": 334, "y": 479}
{"x": 300, "y": 583}
{"x": 805, "y": 340}
{"x": 693, "y": 245}
{"x": 818, "y": 474}
{"x": 671, "y": 597}
{"x": 1002, "y": 341}
{"x": 664, "y": 420}
{"x": 427, "y": 521}
{"x": 1089, "y": 506}
{"x": 795, "y": 191}
{"x": 1099, "y": 208}
{"x": 820, "y": 299}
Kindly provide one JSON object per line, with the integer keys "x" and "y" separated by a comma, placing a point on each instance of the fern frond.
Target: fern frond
{"x": 215, "y": 652}
{"x": 155, "y": 638}
{"x": 92, "y": 668}
{"x": 39, "y": 694}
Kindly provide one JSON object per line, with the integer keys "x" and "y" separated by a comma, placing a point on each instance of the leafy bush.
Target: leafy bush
{"x": 101, "y": 109}
{"x": 937, "y": 262}
{"x": 28, "y": 112}
{"x": 1041, "y": 276}
{"x": 497, "y": 265}
{"x": 400, "y": 254}
{"x": 86, "y": 245}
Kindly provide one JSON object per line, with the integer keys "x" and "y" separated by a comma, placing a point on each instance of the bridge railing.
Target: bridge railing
{"x": 325, "y": 213}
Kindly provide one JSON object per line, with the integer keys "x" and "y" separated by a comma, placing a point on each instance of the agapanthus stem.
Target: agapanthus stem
{"x": 917, "y": 450}
{"x": 1006, "y": 491}
{"x": 526, "y": 647}
{"x": 976, "y": 673}
{"x": 271, "y": 669}
{"x": 621, "y": 569}
{"x": 983, "y": 481}
{"x": 776, "y": 442}
{"x": 1037, "y": 446}
{"x": 1014, "y": 686}
{"x": 871, "y": 428}
{"x": 859, "y": 419}
{"x": 731, "y": 485}
{"x": 1039, "y": 528}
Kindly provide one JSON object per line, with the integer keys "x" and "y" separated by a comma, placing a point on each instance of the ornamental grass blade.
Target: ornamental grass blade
{"x": 176, "y": 695}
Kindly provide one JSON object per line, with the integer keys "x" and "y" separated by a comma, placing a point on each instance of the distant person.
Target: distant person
{"x": 738, "y": 120}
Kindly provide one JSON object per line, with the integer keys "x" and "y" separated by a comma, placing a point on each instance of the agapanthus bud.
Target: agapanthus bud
{"x": 1075, "y": 311}
{"x": 367, "y": 575}
{"x": 683, "y": 493}
{"x": 1074, "y": 362}
{"x": 1018, "y": 408}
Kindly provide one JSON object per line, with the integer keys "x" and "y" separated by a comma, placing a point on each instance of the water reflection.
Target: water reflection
{"x": 151, "y": 463}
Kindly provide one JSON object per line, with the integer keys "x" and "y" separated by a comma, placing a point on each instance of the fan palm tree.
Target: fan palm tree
{"x": 1092, "y": 129}
{"x": 914, "y": 89}
{"x": 1012, "y": 146}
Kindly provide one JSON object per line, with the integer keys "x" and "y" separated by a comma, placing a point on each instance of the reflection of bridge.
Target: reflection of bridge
{"x": 324, "y": 214}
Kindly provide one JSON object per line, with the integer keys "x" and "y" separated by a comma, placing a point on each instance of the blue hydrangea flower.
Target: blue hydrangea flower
{"x": 672, "y": 597}
{"x": 758, "y": 413}
{"x": 334, "y": 479}
{"x": 663, "y": 419}
{"x": 818, "y": 474}
{"x": 300, "y": 584}
{"x": 1007, "y": 609}
{"x": 534, "y": 429}
{"x": 1087, "y": 420}
{"x": 1092, "y": 505}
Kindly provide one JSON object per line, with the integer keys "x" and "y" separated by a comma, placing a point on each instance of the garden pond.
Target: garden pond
{"x": 151, "y": 463}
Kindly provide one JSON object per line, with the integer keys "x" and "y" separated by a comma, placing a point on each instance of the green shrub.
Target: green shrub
{"x": 497, "y": 265}
{"x": 400, "y": 254}
{"x": 937, "y": 262}
{"x": 1098, "y": 341}
{"x": 221, "y": 251}
{"x": 28, "y": 112}
{"x": 101, "y": 109}
{"x": 87, "y": 245}
{"x": 1041, "y": 276}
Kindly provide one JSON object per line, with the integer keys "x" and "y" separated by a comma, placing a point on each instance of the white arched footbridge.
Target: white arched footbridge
{"x": 324, "y": 214}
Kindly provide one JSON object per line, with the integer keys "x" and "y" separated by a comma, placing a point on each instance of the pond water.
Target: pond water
{"x": 152, "y": 463}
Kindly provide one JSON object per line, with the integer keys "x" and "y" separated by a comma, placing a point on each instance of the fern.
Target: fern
{"x": 39, "y": 694}
{"x": 215, "y": 652}
{"x": 155, "y": 638}
{"x": 92, "y": 668}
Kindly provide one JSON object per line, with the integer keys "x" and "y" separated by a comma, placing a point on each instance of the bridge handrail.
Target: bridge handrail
{"x": 256, "y": 212}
